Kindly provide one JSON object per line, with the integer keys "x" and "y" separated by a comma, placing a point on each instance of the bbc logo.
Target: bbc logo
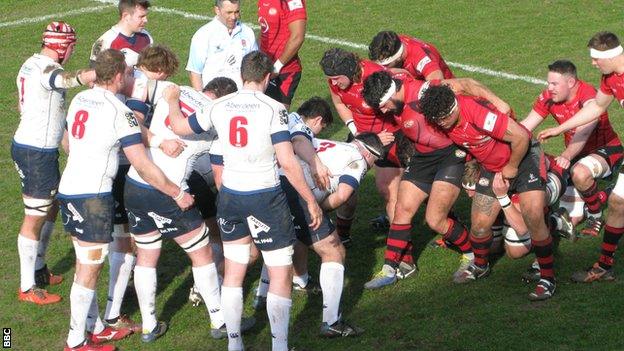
{"x": 6, "y": 338}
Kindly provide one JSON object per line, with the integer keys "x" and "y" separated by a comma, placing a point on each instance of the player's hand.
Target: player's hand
{"x": 186, "y": 201}
{"x": 562, "y": 162}
{"x": 171, "y": 93}
{"x": 548, "y": 133}
{"x": 500, "y": 186}
{"x": 386, "y": 137}
{"x": 320, "y": 175}
{"x": 316, "y": 215}
{"x": 172, "y": 147}
{"x": 509, "y": 172}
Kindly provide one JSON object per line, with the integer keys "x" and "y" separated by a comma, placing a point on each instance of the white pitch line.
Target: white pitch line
{"x": 56, "y": 15}
{"x": 189, "y": 15}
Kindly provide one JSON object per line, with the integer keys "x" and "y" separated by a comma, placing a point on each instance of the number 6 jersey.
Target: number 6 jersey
{"x": 97, "y": 124}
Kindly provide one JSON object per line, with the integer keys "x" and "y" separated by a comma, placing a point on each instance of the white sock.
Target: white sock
{"x": 44, "y": 240}
{"x": 263, "y": 285}
{"x": 232, "y": 304}
{"x": 278, "y": 310}
{"x": 94, "y": 323}
{"x": 27, "y": 249}
{"x": 331, "y": 280}
{"x": 207, "y": 282}
{"x": 301, "y": 280}
{"x": 120, "y": 269}
{"x": 145, "y": 286}
{"x": 80, "y": 299}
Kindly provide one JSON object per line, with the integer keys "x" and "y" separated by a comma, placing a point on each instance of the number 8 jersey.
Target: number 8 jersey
{"x": 248, "y": 124}
{"x": 97, "y": 124}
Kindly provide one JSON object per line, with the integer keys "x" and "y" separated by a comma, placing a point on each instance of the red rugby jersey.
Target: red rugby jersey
{"x": 426, "y": 137}
{"x": 603, "y": 135}
{"x": 274, "y": 16}
{"x": 366, "y": 118}
{"x": 423, "y": 58}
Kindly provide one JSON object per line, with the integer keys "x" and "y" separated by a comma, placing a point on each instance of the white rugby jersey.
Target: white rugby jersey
{"x": 216, "y": 53}
{"x": 41, "y": 103}
{"x": 248, "y": 124}
{"x": 177, "y": 169}
{"x": 97, "y": 124}
{"x": 344, "y": 161}
{"x": 130, "y": 46}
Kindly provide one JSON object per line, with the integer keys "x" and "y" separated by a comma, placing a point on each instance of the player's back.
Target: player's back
{"x": 41, "y": 107}
{"x": 97, "y": 124}
{"x": 248, "y": 124}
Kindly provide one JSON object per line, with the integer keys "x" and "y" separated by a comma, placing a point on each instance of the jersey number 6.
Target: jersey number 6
{"x": 238, "y": 133}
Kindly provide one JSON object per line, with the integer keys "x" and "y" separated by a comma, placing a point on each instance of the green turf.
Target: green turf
{"x": 427, "y": 312}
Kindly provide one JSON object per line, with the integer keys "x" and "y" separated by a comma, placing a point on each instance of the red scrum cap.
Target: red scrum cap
{"x": 58, "y": 36}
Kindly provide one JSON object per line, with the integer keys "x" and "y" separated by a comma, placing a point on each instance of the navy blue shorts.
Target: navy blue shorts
{"x": 150, "y": 210}
{"x": 38, "y": 170}
{"x": 263, "y": 215}
{"x": 89, "y": 219}
{"x": 301, "y": 217}
{"x": 121, "y": 217}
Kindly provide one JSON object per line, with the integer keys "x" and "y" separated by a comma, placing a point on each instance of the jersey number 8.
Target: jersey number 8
{"x": 78, "y": 127}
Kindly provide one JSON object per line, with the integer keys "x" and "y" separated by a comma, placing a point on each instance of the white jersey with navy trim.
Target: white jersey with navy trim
{"x": 248, "y": 124}
{"x": 177, "y": 169}
{"x": 98, "y": 124}
{"x": 41, "y": 104}
{"x": 296, "y": 126}
{"x": 344, "y": 161}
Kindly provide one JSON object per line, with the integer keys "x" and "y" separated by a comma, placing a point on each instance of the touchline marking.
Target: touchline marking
{"x": 56, "y": 15}
{"x": 189, "y": 15}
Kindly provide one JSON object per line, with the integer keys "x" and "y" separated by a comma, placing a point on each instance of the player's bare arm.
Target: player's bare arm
{"x": 337, "y": 198}
{"x": 196, "y": 81}
{"x": 590, "y": 112}
{"x": 577, "y": 144}
{"x": 532, "y": 120}
{"x": 178, "y": 123}
{"x": 519, "y": 141}
{"x": 305, "y": 150}
{"x": 437, "y": 74}
{"x": 469, "y": 86}
{"x": 76, "y": 78}
{"x": 294, "y": 173}
{"x": 295, "y": 41}
{"x": 217, "y": 173}
{"x": 500, "y": 187}
{"x": 155, "y": 177}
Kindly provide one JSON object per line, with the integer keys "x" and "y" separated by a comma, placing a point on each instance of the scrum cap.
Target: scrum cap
{"x": 58, "y": 36}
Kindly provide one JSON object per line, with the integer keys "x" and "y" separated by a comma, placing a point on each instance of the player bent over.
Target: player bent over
{"x": 607, "y": 56}
{"x": 592, "y": 151}
{"x": 508, "y": 150}
{"x": 41, "y": 86}
{"x": 98, "y": 124}
{"x": 253, "y": 130}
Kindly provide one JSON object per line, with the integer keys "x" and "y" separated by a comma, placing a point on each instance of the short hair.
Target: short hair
{"x": 563, "y": 67}
{"x": 372, "y": 143}
{"x": 219, "y": 3}
{"x": 108, "y": 64}
{"x": 603, "y": 41}
{"x": 130, "y": 5}
{"x": 384, "y": 45}
{"x": 221, "y": 86}
{"x": 339, "y": 62}
{"x": 405, "y": 149}
{"x": 160, "y": 59}
{"x": 375, "y": 86}
{"x": 316, "y": 106}
{"x": 255, "y": 66}
{"x": 437, "y": 102}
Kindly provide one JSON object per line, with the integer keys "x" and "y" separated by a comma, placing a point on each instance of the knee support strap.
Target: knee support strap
{"x": 279, "y": 257}
{"x": 37, "y": 207}
{"x": 148, "y": 243}
{"x": 238, "y": 253}
{"x": 91, "y": 254}
{"x": 198, "y": 241}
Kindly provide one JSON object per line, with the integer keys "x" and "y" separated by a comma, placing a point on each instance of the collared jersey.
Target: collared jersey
{"x": 177, "y": 169}
{"x": 215, "y": 52}
{"x": 248, "y": 124}
{"x": 423, "y": 58}
{"x": 98, "y": 124}
{"x": 41, "y": 104}
{"x": 130, "y": 46}
{"x": 274, "y": 16}
{"x": 366, "y": 118}
{"x": 602, "y": 135}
